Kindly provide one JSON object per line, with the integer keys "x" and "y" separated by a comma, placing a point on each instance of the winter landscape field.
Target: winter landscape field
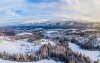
{"x": 49, "y": 31}
{"x": 45, "y": 43}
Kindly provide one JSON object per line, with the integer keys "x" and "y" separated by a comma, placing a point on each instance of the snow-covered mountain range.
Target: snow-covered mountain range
{"x": 54, "y": 24}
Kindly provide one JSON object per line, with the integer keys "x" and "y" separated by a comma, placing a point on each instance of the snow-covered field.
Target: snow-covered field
{"x": 48, "y": 32}
{"x": 24, "y": 33}
{"x": 22, "y": 46}
{"x": 41, "y": 61}
{"x": 94, "y": 55}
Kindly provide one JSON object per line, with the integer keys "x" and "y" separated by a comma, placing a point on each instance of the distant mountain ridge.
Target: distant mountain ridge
{"x": 50, "y": 24}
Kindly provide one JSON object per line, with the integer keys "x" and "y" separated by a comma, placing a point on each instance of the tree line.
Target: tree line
{"x": 60, "y": 52}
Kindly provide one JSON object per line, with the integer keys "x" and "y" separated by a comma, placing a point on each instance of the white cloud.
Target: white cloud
{"x": 75, "y": 9}
{"x": 83, "y": 8}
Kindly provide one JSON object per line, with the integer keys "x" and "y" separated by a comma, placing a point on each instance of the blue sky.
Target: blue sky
{"x": 32, "y": 10}
{"x": 42, "y": 1}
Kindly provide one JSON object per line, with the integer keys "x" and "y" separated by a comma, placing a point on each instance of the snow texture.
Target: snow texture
{"x": 94, "y": 55}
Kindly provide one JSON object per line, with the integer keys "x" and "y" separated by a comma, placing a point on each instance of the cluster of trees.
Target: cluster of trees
{"x": 18, "y": 57}
{"x": 21, "y": 36}
{"x": 89, "y": 44}
{"x": 31, "y": 37}
{"x": 10, "y": 33}
{"x": 60, "y": 52}
{"x": 43, "y": 53}
{"x": 63, "y": 53}
{"x": 7, "y": 32}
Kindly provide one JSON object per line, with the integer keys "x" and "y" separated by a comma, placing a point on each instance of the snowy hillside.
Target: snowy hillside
{"x": 22, "y": 46}
{"x": 94, "y": 55}
{"x": 50, "y": 45}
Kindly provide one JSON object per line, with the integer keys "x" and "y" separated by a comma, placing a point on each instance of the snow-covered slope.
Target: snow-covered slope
{"x": 22, "y": 46}
{"x": 24, "y": 33}
{"x": 94, "y": 55}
